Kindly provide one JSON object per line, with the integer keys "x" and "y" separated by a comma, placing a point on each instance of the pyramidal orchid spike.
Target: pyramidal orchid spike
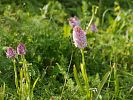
{"x": 10, "y": 52}
{"x": 21, "y": 49}
{"x": 93, "y": 28}
{"x": 79, "y": 37}
{"x": 74, "y": 21}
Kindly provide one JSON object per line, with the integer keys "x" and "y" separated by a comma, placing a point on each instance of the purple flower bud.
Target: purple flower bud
{"x": 74, "y": 21}
{"x": 93, "y": 28}
{"x": 10, "y": 53}
{"x": 21, "y": 49}
{"x": 79, "y": 37}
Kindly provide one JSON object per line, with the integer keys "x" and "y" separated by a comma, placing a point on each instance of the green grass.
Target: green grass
{"x": 49, "y": 48}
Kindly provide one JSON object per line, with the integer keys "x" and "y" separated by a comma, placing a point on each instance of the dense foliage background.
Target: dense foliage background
{"x": 42, "y": 25}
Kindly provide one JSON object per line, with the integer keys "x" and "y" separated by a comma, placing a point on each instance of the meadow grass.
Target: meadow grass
{"x": 57, "y": 70}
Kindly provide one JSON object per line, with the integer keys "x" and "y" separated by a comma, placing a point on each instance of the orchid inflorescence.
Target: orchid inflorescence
{"x": 93, "y": 28}
{"x": 11, "y": 53}
{"x": 79, "y": 35}
{"x": 74, "y": 21}
{"x": 21, "y": 49}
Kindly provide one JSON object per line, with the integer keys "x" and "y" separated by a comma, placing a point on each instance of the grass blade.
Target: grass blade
{"x": 101, "y": 84}
{"x": 77, "y": 78}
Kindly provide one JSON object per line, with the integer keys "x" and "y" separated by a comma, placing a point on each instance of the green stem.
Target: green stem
{"x": 83, "y": 60}
{"x": 84, "y": 74}
{"x": 21, "y": 85}
{"x": 94, "y": 11}
{"x": 116, "y": 82}
{"x": 90, "y": 22}
{"x": 15, "y": 71}
{"x": 26, "y": 77}
{"x": 77, "y": 78}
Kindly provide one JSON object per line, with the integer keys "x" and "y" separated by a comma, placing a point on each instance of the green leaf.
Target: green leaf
{"x": 84, "y": 74}
{"x": 77, "y": 78}
{"x": 116, "y": 81}
{"x": 35, "y": 83}
{"x": 101, "y": 84}
{"x": 2, "y": 92}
